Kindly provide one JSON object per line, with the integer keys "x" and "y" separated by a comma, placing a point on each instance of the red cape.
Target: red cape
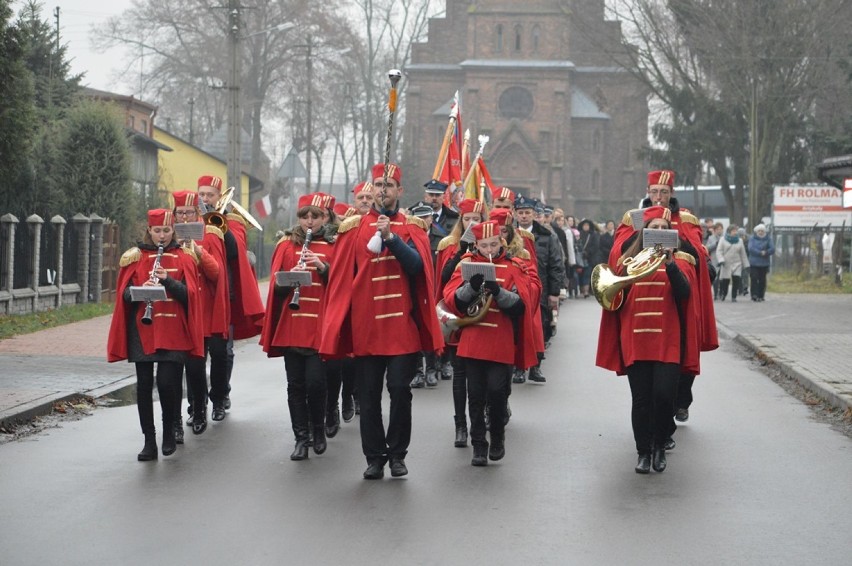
{"x": 336, "y": 340}
{"x": 217, "y": 315}
{"x": 247, "y": 306}
{"x": 183, "y": 332}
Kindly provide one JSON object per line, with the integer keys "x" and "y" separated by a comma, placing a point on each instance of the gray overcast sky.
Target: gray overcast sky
{"x": 76, "y": 18}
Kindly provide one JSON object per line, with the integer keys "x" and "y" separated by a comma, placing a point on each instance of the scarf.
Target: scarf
{"x": 732, "y": 239}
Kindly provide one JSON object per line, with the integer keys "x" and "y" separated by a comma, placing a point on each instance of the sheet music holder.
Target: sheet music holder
{"x": 666, "y": 238}
{"x": 468, "y": 236}
{"x": 139, "y": 293}
{"x": 471, "y": 268}
{"x": 189, "y": 231}
{"x": 638, "y": 218}
{"x": 293, "y": 278}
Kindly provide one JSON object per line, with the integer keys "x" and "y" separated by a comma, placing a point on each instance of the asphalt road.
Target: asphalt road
{"x": 753, "y": 480}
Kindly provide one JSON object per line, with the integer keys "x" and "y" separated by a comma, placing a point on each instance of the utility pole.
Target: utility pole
{"x": 754, "y": 177}
{"x": 310, "y": 132}
{"x": 234, "y": 128}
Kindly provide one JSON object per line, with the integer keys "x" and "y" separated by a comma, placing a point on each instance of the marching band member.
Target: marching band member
{"x": 295, "y": 333}
{"x": 383, "y": 312}
{"x": 364, "y": 197}
{"x": 245, "y": 303}
{"x": 653, "y": 338}
{"x": 213, "y": 278}
{"x": 660, "y": 192}
{"x": 484, "y": 346}
{"x": 167, "y": 333}
{"x": 450, "y": 251}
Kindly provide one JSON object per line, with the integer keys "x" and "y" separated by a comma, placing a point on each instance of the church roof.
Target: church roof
{"x": 584, "y": 107}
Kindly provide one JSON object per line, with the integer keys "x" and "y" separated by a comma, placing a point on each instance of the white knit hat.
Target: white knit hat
{"x": 760, "y": 227}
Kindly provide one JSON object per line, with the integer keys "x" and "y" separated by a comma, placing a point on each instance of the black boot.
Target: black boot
{"x": 199, "y": 420}
{"x": 348, "y": 408}
{"x": 332, "y": 423}
{"x": 149, "y": 451}
{"x": 300, "y": 452}
{"x": 480, "y": 455}
{"x": 497, "y": 449}
{"x": 319, "y": 440}
{"x": 179, "y": 431}
{"x": 169, "y": 444}
{"x": 643, "y": 466}
{"x": 536, "y": 375}
{"x": 461, "y": 432}
{"x": 659, "y": 462}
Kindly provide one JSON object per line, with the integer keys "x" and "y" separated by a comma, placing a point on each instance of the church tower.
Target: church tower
{"x": 564, "y": 120}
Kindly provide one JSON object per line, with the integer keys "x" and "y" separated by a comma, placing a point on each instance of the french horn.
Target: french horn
{"x": 608, "y": 287}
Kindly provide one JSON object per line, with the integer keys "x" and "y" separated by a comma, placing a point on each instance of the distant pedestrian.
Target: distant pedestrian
{"x": 732, "y": 258}
{"x": 760, "y": 249}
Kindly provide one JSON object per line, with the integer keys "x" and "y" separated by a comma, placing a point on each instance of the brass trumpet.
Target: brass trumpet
{"x": 475, "y": 313}
{"x": 227, "y": 200}
{"x": 608, "y": 287}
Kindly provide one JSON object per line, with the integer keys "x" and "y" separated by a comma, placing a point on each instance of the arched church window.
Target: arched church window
{"x": 516, "y": 102}
{"x": 518, "y": 30}
{"x": 536, "y": 38}
{"x": 596, "y": 141}
{"x": 499, "y": 46}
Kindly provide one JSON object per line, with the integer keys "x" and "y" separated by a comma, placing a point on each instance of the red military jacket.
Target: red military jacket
{"x": 246, "y": 306}
{"x": 173, "y": 327}
{"x": 215, "y": 293}
{"x": 494, "y": 338}
{"x": 648, "y": 326}
{"x": 372, "y": 306}
{"x": 688, "y": 229}
{"x": 528, "y": 240}
{"x": 284, "y": 327}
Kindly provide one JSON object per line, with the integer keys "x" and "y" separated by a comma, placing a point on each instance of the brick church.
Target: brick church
{"x": 533, "y": 75}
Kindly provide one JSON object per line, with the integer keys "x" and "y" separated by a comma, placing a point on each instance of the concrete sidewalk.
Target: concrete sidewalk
{"x": 808, "y": 336}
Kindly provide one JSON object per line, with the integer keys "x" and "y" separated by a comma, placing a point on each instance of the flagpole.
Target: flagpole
{"x": 469, "y": 177}
{"x": 448, "y": 136}
{"x": 465, "y": 154}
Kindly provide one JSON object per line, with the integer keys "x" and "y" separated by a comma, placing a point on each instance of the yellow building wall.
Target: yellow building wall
{"x": 181, "y": 167}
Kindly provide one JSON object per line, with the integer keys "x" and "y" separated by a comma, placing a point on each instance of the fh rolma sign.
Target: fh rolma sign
{"x": 801, "y": 208}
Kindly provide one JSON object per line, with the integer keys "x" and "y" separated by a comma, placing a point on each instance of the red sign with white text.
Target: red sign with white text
{"x": 847, "y": 193}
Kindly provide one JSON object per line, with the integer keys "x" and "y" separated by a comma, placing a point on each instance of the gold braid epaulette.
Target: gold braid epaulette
{"x": 688, "y": 217}
{"x": 348, "y": 224}
{"x": 523, "y": 254}
{"x": 191, "y": 253}
{"x": 526, "y": 234}
{"x": 210, "y": 229}
{"x": 685, "y": 257}
{"x": 516, "y": 247}
{"x": 132, "y": 255}
{"x": 237, "y": 217}
{"x": 627, "y": 220}
{"x": 417, "y": 222}
{"x": 465, "y": 258}
{"x": 447, "y": 242}
{"x": 284, "y": 238}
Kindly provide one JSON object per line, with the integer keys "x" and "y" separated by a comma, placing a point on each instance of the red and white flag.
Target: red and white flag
{"x": 263, "y": 207}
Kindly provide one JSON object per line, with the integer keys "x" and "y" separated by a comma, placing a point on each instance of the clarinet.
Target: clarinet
{"x": 147, "y": 318}
{"x": 297, "y": 293}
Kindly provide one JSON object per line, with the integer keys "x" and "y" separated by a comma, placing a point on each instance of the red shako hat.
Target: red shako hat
{"x": 661, "y": 177}
{"x": 469, "y": 205}
{"x": 160, "y": 217}
{"x": 502, "y": 216}
{"x": 210, "y": 181}
{"x": 394, "y": 172}
{"x": 185, "y": 198}
{"x": 486, "y": 230}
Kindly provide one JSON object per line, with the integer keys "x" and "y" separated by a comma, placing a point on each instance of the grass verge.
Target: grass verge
{"x": 789, "y": 282}
{"x": 15, "y": 324}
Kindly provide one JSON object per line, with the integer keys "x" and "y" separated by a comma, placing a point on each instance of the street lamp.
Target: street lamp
{"x": 234, "y": 155}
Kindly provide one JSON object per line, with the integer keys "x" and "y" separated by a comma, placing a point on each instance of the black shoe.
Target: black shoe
{"x": 518, "y": 376}
{"x": 535, "y": 375}
{"x": 682, "y": 415}
{"x": 431, "y": 378}
{"x": 169, "y": 445}
{"x": 357, "y": 404}
{"x": 419, "y": 380}
{"x": 397, "y": 467}
{"x": 226, "y": 402}
{"x": 508, "y": 414}
{"x": 446, "y": 371}
{"x": 300, "y": 452}
{"x": 332, "y": 423}
{"x": 497, "y": 449}
{"x": 348, "y": 410}
{"x": 179, "y": 431}
{"x": 199, "y": 423}
{"x": 480, "y": 455}
{"x": 669, "y": 444}
{"x": 149, "y": 451}
{"x": 733, "y": 299}
{"x": 375, "y": 471}
{"x": 461, "y": 435}
{"x": 218, "y": 411}
{"x": 189, "y": 420}
{"x": 320, "y": 444}
{"x": 643, "y": 466}
{"x": 659, "y": 459}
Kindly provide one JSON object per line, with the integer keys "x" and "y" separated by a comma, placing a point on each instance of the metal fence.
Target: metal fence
{"x": 23, "y": 256}
{"x": 70, "y": 257}
{"x": 49, "y": 254}
{"x": 5, "y": 229}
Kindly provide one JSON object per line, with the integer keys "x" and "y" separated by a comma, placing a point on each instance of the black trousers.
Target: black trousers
{"x": 735, "y": 287}
{"x": 168, "y": 379}
{"x": 546, "y": 319}
{"x": 306, "y": 391}
{"x": 377, "y": 444}
{"x": 684, "y": 391}
{"x": 654, "y": 386}
{"x": 487, "y": 383}
{"x": 334, "y": 381}
{"x": 196, "y": 375}
{"x": 459, "y": 385}
{"x": 758, "y": 281}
